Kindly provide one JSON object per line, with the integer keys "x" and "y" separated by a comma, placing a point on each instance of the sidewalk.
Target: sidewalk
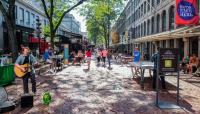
{"x": 103, "y": 91}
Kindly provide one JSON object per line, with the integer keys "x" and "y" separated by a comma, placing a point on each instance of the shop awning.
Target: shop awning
{"x": 173, "y": 34}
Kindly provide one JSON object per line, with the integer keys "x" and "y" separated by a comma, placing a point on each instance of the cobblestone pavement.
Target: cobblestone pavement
{"x": 104, "y": 91}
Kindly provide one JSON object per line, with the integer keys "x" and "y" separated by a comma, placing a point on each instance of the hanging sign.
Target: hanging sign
{"x": 186, "y": 12}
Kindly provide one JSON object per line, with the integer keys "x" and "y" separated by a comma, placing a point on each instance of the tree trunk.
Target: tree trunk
{"x": 52, "y": 39}
{"x": 12, "y": 38}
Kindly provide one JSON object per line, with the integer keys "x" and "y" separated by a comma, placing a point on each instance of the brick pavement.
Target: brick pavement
{"x": 103, "y": 91}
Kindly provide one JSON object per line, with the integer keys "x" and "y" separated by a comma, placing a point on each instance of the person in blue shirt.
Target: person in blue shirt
{"x": 154, "y": 59}
{"x": 46, "y": 56}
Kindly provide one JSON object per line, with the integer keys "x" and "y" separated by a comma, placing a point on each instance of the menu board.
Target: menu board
{"x": 168, "y": 60}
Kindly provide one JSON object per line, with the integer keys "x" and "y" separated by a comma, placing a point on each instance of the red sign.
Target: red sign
{"x": 186, "y": 12}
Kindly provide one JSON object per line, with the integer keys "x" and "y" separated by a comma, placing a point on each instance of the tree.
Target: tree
{"x": 99, "y": 16}
{"x": 55, "y": 11}
{"x": 7, "y": 7}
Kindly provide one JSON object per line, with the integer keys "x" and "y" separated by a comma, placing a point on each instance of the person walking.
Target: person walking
{"x": 154, "y": 59}
{"x": 104, "y": 56}
{"x": 109, "y": 57}
{"x": 88, "y": 55}
{"x": 99, "y": 56}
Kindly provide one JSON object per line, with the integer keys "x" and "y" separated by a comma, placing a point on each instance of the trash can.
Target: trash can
{"x": 6, "y": 74}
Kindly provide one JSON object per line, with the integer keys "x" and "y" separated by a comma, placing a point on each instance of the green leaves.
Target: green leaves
{"x": 99, "y": 15}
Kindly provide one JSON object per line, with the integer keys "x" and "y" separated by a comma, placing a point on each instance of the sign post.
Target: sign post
{"x": 66, "y": 54}
{"x": 167, "y": 63}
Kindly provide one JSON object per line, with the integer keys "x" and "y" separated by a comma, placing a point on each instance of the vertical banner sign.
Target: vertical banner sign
{"x": 168, "y": 60}
{"x": 186, "y": 12}
{"x": 66, "y": 54}
{"x": 136, "y": 56}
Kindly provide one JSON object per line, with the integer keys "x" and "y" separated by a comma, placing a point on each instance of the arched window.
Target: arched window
{"x": 171, "y": 18}
{"x": 145, "y": 28}
{"x": 152, "y": 25}
{"x": 164, "y": 21}
{"x": 148, "y": 27}
{"x": 158, "y": 24}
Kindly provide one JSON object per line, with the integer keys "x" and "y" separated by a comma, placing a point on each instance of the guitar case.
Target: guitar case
{"x": 26, "y": 101}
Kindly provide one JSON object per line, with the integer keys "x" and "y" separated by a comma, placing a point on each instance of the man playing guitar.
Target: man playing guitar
{"x": 26, "y": 58}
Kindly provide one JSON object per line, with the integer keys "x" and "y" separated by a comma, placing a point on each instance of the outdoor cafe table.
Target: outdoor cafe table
{"x": 140, "y": 68}
{"x": 126, "y": 59}
{"x": 56, "y": 59}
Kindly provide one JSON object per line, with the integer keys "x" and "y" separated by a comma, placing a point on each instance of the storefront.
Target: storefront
{"x": 186, "y": 39}
{"x": 22, "y": 36}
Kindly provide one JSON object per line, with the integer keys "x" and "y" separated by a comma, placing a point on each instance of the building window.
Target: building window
{"x": 153, "y": 3}
{"x": 33, "y": 20}
{"x": 145, "y": 7}
{"x": 139, "y": 13}
{"x": 148, "y": 6}
{"x": 142, "y": 10}
{"x": 171, "y": 18}
{"x": 139, "y": 33}
{"x": 21, "y": 16}
{"x": 164, "y": 27}
{"x": 145, "y": 27}
{"x": 27, "y": 18}
{"x": 158, "y": 2}
{"x": 37, "y": 17}
{"x": 16, "y": 12}
{"x": 148, "y": 27}
{"x": 158, "y": 24}
{"x": 142, "y": 29}
{"x": 152, "y": 25}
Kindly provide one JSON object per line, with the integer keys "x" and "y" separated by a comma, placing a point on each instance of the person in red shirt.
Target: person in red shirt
{"x": 88, "y": 55}
{"x": 104, "y": 56}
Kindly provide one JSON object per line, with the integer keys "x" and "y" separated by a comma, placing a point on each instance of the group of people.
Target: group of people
{"x": 102, "y": 54}
{"x": 76, "y": 57}
{"x": 81, "y": 57}
{"x": 191, "y": 65}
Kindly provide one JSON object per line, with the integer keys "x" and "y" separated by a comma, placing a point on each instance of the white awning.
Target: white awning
{"x": 174, "y": 34}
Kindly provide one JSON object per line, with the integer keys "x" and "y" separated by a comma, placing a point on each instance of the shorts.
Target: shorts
{"x": 88, "y": 59}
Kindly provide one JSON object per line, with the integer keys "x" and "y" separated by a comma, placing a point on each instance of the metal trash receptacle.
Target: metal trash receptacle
{"x": 6, "y": 74}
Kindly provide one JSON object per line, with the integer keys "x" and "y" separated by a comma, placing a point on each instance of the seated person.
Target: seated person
{"x": 197, "y": 73}
{"x": 193, "y": 64}
{"x": 46, "y": 57}
{"x": 72, "y": 57}
{"x": 79, "y": 56}
{"x": 184, "y": 64}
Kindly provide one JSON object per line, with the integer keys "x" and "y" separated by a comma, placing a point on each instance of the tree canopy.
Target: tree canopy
{"x": 99, "y": 16}
{"x": 55, "y": 11}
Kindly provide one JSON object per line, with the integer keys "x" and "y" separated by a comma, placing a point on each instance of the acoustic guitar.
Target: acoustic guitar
{"x": 19, "y": 73}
